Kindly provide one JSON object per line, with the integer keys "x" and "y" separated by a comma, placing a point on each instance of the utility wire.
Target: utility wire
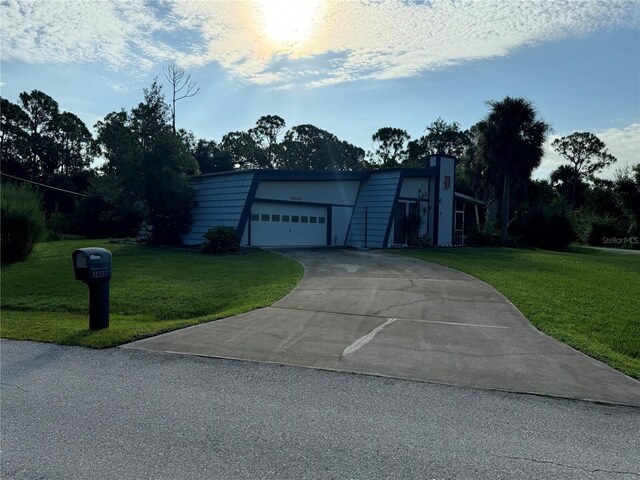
{"x": 43, "y": 185}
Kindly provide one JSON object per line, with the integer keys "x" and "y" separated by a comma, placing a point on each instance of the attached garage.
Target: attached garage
{"x": 282, "y": 223}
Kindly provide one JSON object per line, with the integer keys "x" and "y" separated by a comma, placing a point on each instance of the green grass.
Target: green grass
{"x": 153, "y": 290}
{"x": 586, "y": 298}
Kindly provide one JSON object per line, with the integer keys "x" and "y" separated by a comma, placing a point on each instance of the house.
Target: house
{"x": 372, "y": 209}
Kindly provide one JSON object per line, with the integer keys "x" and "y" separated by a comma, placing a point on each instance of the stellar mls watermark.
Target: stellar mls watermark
{"x": 620, "y": 240}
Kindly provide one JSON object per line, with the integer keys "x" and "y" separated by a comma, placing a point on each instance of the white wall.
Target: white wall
{"x": 334, "y": 192}
{"x": 411, "y": 186}
{"x": 445, "y": 220}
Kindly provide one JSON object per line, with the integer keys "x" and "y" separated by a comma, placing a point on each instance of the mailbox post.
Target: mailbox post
{"x": 93, "y": 267}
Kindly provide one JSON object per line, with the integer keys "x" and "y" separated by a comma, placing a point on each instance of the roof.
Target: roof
{"x": 320, "y": 175}
{"x": 469, "y": 199}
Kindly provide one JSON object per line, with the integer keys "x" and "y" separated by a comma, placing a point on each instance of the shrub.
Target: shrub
{"x": 548, "y": 227}
{"x": 605, "y": 228}
{"x": 23, "y": 222}
{"x": 483, "y": 239}
{"x": 221, "y": 239}
{"x": 57, "y": 224}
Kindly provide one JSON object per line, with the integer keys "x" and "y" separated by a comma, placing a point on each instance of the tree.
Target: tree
{"x": 121, "y": 186}
{"x": 146, "y": 175}
{"x": 13, "y": 138}
{"x": 211, "y": 158}
{"x": 587, "y": 155}
{"x": 390, "y": 147}
{"x": 442, "y": 139}
{"x": 265, "y": 134}
{"x": 43, "y": 144}
{"x": 565, "y": 185}
{"x": 627, "y": 188}
{"x": 307, "y": 147}
{"x": 75, "y": 143}
{"x": 245, "y": 153}
{"x": 181, "y": 87}
{"x": 22, "y": 220}
{"x": 41, "y": 111}
{"x": 509, "y": 146}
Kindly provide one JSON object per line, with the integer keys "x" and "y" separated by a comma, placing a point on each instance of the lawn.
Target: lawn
{"x": 153, "y": 290}
{"x": 586, "y": 298}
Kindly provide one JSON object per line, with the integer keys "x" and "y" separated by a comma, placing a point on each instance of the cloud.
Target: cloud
{"x": 369, "y": 39}
{"x": 118, "y": 34}
{"x": 622, "y": 143}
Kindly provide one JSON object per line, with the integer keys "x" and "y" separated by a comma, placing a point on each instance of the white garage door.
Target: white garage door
{"x": 288, "y": 224}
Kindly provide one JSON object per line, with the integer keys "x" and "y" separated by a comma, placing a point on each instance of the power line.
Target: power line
{"x": 43, "y": 185}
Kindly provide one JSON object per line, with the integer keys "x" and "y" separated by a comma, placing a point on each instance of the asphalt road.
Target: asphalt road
{"x": 75, "y": 413}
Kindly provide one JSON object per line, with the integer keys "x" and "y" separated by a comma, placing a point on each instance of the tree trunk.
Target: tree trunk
{"x": 491, "y": 202}
{"x": 576, "y": 177}
{"x": 506, "y": 194}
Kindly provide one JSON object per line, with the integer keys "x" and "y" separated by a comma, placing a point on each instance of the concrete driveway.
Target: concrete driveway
{"x": 381, "y": 314}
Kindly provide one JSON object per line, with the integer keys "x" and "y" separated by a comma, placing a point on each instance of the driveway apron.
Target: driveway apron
{"x": 382, "y": 314}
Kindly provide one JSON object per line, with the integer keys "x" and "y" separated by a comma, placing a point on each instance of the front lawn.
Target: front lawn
{"x": 153, "y": 290}
{"x": 586, "y": 298}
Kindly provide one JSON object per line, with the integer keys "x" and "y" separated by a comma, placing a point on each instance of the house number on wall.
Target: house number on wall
{"x": 296, "y": 199}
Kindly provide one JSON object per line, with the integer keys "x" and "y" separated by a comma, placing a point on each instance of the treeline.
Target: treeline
{"x": 144, "y": 167}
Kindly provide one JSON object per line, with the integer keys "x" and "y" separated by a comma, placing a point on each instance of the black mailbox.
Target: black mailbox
{"x": 93, "y": 267}
{"x": 92, "y": 264}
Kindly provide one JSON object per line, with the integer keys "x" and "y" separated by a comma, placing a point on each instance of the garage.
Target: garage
{"x": 286, "y": 223}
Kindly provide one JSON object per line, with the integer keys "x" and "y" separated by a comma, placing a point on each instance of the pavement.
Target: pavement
{"x": 381, "y": 314}
{"x": 77, "y": 413}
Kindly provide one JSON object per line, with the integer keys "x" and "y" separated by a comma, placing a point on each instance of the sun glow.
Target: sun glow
{"x": 288, "y": 22}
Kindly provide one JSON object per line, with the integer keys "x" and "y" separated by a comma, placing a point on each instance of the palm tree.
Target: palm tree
{"x": 510, "y": 146}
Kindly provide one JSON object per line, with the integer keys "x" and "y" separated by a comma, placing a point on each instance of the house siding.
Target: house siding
{"x": 220, "y": 203}
{"x": 377, "y": 196}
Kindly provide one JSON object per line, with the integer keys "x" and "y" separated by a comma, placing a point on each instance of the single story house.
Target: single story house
{"x": 371, "y": 209}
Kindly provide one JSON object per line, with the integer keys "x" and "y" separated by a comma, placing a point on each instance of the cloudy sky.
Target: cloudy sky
{"x": 349, "y": 67}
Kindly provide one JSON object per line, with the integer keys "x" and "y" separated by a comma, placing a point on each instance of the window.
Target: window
{"x": 313, "y": 219}
{"x": 265, "y": 217}
{"x": 255, "y": 217}
{"x": 320, "y": 219}
{"x": 295, "y": 218}
{"x": 275, "y": 218}
{"x": 304, "y": 219}
{"x": 285, "y": 218}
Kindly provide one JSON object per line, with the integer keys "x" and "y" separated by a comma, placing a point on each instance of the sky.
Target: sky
{"x": 349, "y": 67}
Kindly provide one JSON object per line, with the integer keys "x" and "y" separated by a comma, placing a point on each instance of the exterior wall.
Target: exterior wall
{"x": 445, "y": 225}
{"x": 377, "y": 196}
{"x": 326, "y": 192}
{"x": 340, "y": 219}
{"x": 443, "y": 198}
{"x": 412, "y": 187}
{"x": 432, "y": 208}
{"x": 220, "y": 202}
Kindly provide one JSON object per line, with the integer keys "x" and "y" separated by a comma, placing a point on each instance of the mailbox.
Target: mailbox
{"x": 92, "y": 264}
{"x": 93, "y": 267}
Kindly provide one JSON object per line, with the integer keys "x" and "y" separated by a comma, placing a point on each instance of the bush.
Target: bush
{"x": 23, "y": 222}
{"x": 483, "y": 239}
{"x": 605, "y": 228}
{"x": 548, "y": 227}
{"x": 221, "y": 239}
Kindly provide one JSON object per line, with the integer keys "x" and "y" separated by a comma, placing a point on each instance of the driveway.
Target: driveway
{"x": 381, "y": 314}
